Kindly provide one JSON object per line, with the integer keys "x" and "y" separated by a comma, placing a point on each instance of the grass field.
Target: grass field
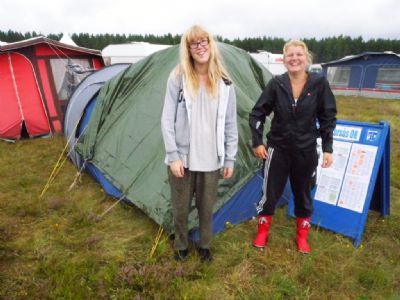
{"x": 57, "y": 248}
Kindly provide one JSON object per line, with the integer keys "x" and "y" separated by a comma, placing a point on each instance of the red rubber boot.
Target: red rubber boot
{"x": 262, "y": 233}
{"x": 303, "y": 227}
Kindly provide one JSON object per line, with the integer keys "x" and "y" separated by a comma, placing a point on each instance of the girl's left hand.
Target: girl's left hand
{"x": 228, "y": 172}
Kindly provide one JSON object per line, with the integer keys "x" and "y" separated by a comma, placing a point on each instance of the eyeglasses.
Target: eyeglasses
{"x": 196, "y": 45}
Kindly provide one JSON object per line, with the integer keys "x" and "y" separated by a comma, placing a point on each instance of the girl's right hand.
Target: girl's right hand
{"x": 177, "y": 168}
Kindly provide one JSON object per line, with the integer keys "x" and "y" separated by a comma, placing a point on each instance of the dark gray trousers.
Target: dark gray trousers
{"x": 202, "y": 185}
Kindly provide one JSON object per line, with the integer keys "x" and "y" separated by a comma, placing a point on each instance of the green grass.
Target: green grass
{"x": 372, "y": 110}
{"x": 56, "y": 248}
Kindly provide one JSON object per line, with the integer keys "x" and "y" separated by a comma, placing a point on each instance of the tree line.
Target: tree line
{"x": 323, "y": 50}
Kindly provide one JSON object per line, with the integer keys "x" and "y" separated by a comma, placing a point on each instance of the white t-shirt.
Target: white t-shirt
{"x": 203, "y": 154}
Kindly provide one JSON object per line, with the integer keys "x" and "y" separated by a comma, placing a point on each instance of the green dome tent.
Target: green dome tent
{"x": 123, "y": 138}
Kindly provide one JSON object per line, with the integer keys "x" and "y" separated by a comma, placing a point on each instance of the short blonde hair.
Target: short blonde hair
{"x": 298, "y": 43}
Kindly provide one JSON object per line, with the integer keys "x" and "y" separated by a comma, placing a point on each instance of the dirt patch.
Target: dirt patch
{"x": 92, "y": 241}
{"x": 7, "y": 232}
{"x": 55, "y": 203}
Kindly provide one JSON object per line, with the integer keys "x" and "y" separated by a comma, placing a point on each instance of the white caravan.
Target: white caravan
{"x": 273, "y": 62}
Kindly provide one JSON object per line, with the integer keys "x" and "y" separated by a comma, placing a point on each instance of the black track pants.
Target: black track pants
{"x": 300, "y": 167}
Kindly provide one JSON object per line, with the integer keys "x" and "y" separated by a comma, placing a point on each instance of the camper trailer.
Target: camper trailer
{"x": 368, "y": 74}
{"x": 273, "y": 62}
{"x": 38, "y": 76}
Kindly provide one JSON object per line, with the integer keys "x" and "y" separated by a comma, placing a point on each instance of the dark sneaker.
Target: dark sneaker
{"x": 205, "y": 255}
{"x": 180, "y": 255}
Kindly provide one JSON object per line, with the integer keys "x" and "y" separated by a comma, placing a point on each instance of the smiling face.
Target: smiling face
{"x": 200, "y": 51}
{"x": 295, "y": 59}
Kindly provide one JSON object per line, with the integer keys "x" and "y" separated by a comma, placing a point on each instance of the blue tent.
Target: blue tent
{"x": 369, "y": 74}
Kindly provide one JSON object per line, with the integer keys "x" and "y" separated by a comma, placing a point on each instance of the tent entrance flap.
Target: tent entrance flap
{"x": 20, "y": 98}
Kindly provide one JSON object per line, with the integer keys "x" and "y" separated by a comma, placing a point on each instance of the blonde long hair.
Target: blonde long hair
{"x": 216, "y": 70}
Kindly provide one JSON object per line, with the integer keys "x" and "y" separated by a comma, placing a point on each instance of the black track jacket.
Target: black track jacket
{"x": 294, "y": 125}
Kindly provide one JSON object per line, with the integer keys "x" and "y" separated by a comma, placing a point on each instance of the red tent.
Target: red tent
{"x": 37, "y": 76}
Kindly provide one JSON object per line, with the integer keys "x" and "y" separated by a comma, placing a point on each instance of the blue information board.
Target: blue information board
{"x": 358, "y": 180}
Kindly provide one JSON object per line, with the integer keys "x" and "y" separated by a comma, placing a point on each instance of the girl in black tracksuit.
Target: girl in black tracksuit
{"x": 291, "y": 142}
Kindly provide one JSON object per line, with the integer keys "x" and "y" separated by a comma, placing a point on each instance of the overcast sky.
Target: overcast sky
{"x": 227, "y": 18}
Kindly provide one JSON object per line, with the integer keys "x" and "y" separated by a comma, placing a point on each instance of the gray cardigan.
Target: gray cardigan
{"x": 175, "y": 121}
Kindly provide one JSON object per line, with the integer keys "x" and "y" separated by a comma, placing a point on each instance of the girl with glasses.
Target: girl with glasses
{"x": 200, "y": 134}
